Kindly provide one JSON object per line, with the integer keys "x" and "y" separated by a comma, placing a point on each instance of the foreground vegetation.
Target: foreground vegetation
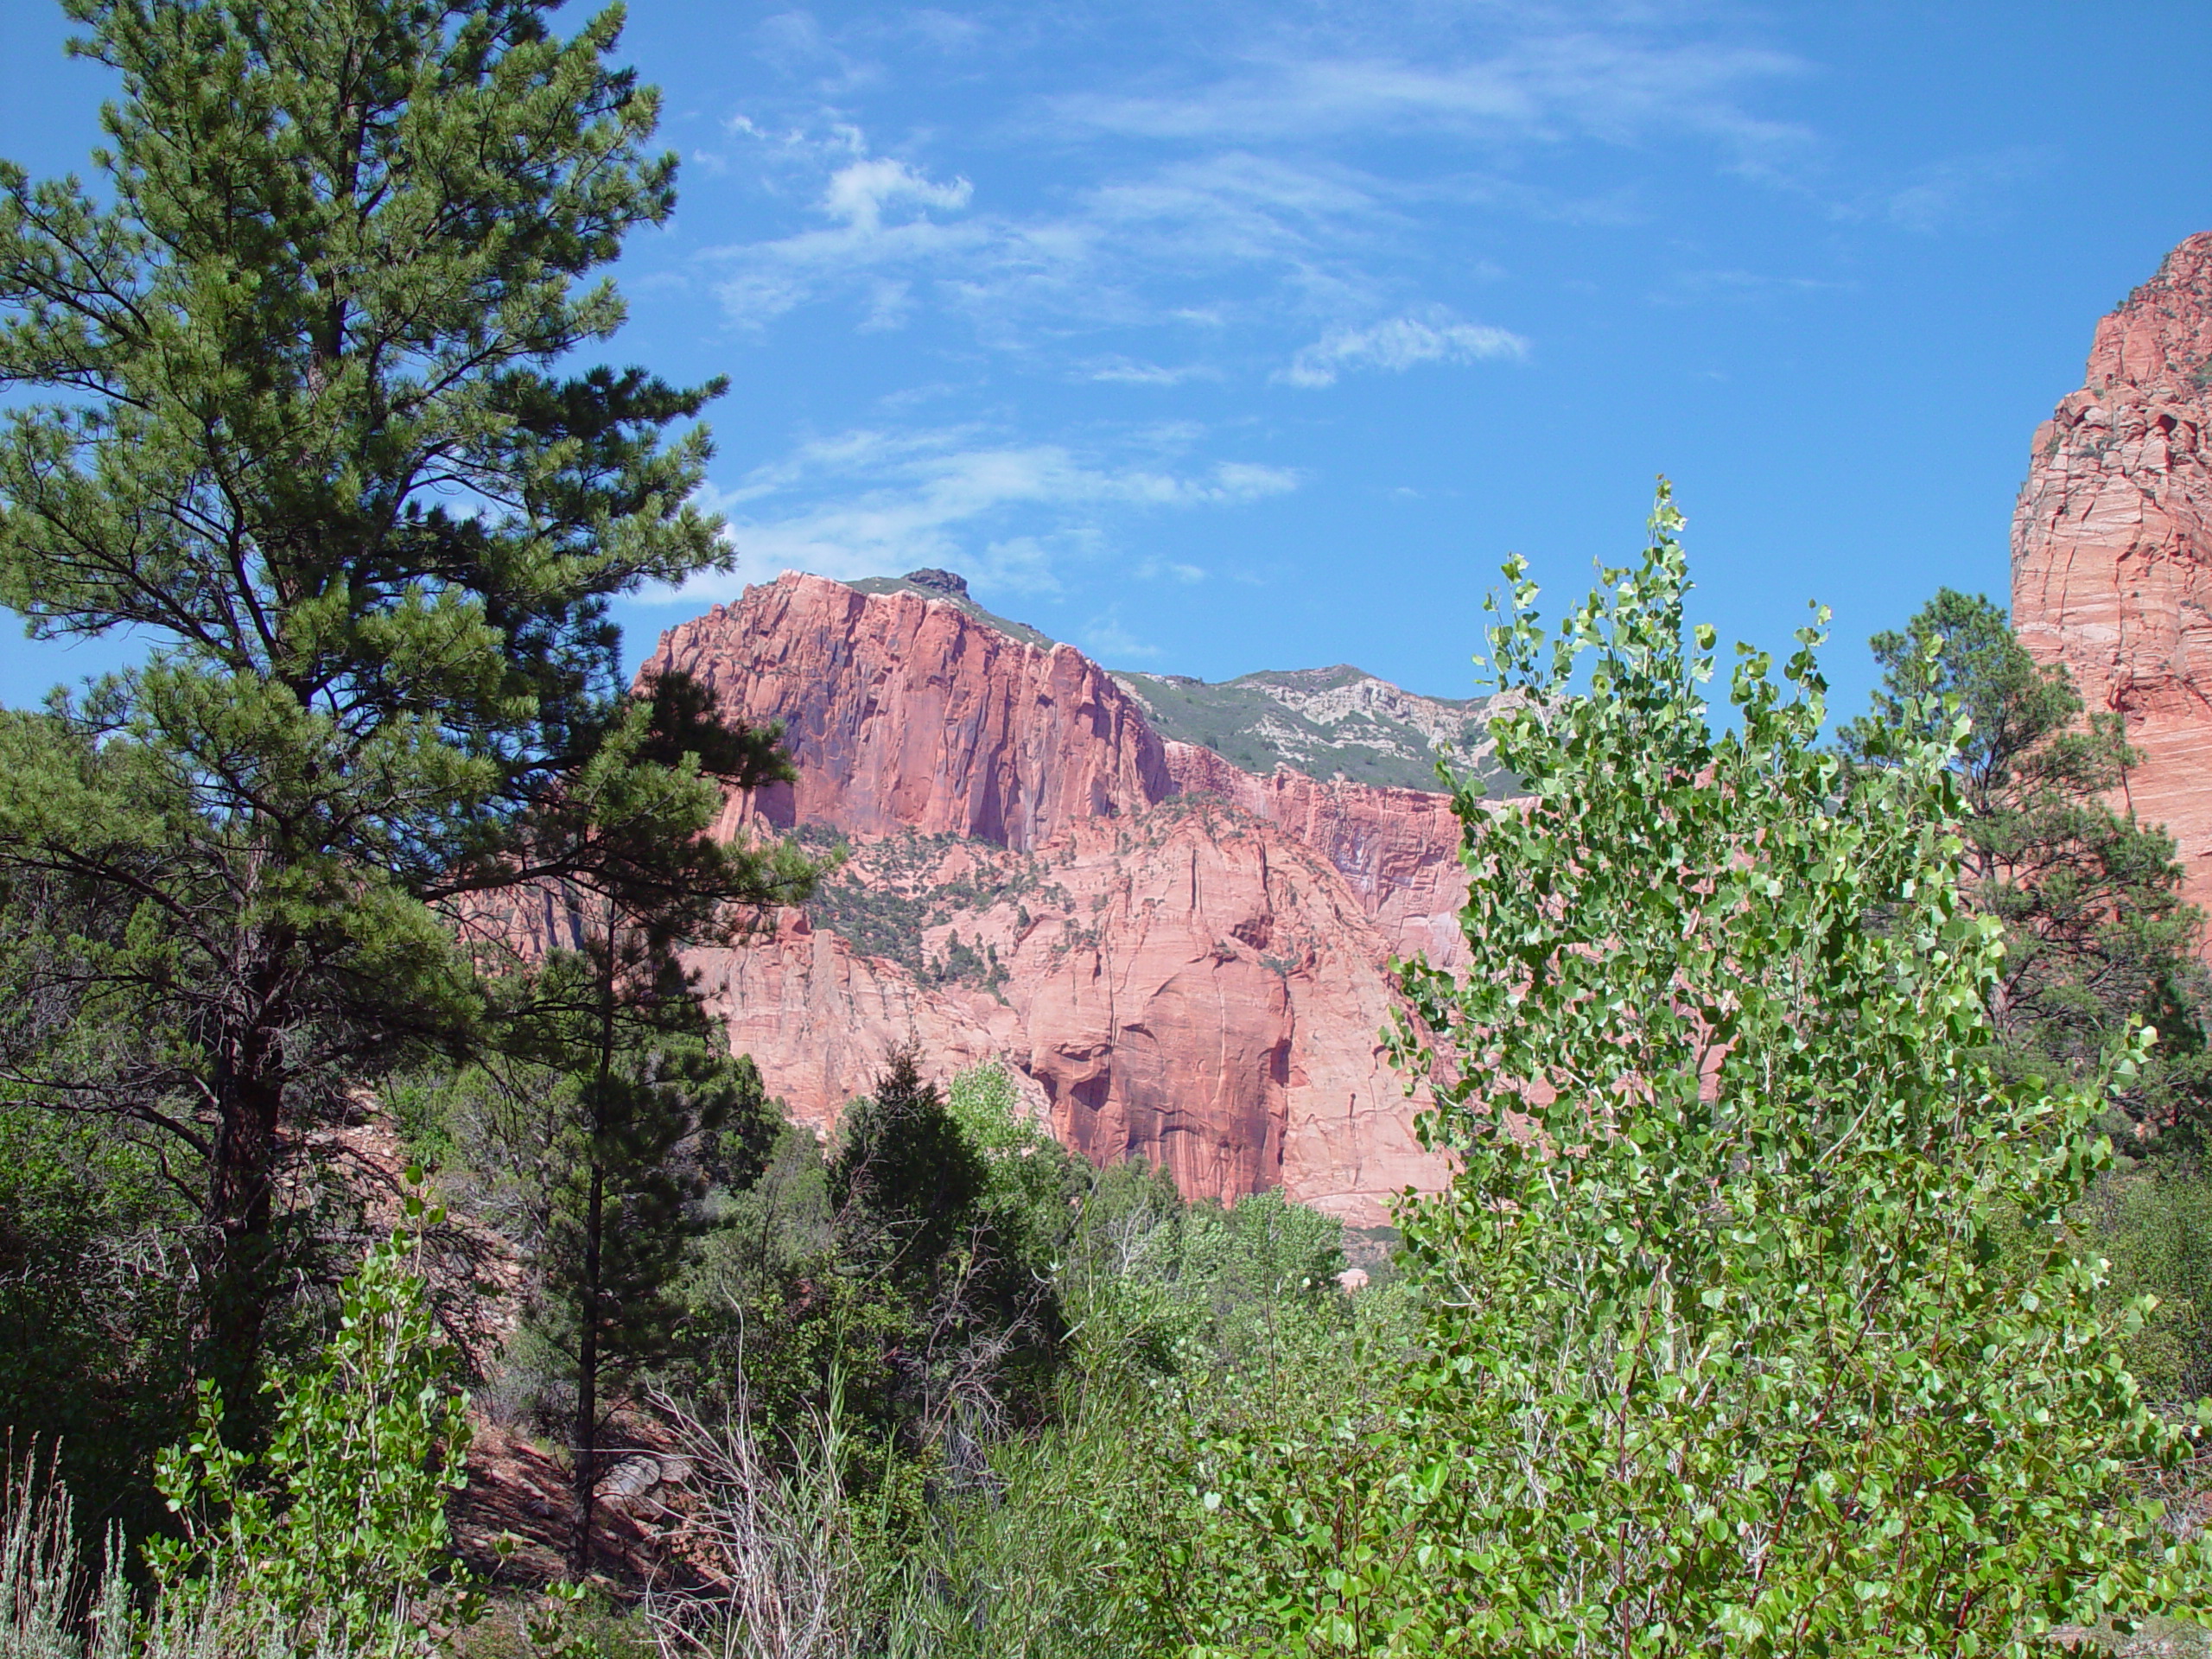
{"x": 363, "y": 1147}
{"x": 1769, "y": 1309}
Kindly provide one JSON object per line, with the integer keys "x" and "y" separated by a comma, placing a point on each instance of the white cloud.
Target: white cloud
{"x": 1289, "y": 175}
{"x": 1550, "y": 84}
{"x": 1128, "y": 250}
{"x": 878, "y": 210}
{"x": 1106, "y": 638}
{"x": 1238, "y": 481}
{"x": 890, "y": 303}
{"x": 794, "y": 43}
{"x": 857, "y": 195}
{"x": 1701, "y": 285}
{"x": 1125, "y": 372}
{"x": 869, "y": 503}
{"x": 1967, "y": 189}
{"x": 1400, "y": 344}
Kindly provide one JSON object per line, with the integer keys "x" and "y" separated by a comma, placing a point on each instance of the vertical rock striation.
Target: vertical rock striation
{"x": 2111, "y": 544}
{"x": 905, "y": 713}
{"x": 1397, "y": 849}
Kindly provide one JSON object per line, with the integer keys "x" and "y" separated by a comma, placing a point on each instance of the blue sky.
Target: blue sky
{"x": 1226, "y": 337}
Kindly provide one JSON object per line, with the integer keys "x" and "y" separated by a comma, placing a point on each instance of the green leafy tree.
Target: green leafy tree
{"x": 2096, "y": 932}
{"x": 92, "y": 1333}
{"x": 1723, "y": 1355}
{"x": 335, "y": 1535}
{"x": 303, "y": 436}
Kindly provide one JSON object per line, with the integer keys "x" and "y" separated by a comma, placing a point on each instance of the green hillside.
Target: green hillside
{"x": 1324, "y": 722}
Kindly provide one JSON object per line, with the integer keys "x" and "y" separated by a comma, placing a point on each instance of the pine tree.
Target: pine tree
{"x": 639, "y": 1100}
{"x": 612, "y": 1131}
{"x": 2096, "y": 931}
{"x": 302, "y": 434}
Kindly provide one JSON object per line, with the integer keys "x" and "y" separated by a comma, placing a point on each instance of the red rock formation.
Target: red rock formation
{"x": 1190, "y": 956}
{"x": 1398, "y": 849}
{"x": 2112, "y": 543}
{"x": 1193, "y": 986}
{"x": 905, "y": 713}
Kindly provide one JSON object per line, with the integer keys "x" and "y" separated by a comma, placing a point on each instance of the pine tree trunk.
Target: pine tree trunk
{"x": 587, "y": 1434}
{"x": 248, "y": 1089}
{"x": 241, "y": 1216}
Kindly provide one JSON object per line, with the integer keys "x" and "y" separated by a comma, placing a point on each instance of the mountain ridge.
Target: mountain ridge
{"x": 1325, "y": 722}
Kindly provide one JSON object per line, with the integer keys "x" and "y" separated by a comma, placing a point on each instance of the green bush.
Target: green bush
{"x": 2155, "y": 1225}
{"x": 95, "y": 1320}
{"x": 1043, "y": 1516}
{"x": 335, "y": 1534}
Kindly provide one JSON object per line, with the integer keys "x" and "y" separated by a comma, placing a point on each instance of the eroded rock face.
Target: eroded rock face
{"x": 1195, "y": 988}
{"x": 1177, "y": 959}
{"x": 2111, "y": 544}
{"x": 1397, "y": 849}
{"x": 903, "y": 713}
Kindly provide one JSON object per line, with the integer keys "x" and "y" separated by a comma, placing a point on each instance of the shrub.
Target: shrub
{"x": 336, "y": 1533}
{"x": 43, "y": 1587}
{"x": 2156, "y": 1226}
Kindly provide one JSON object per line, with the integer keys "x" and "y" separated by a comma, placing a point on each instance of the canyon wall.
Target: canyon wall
{"x": 1177, "y": 959}
{"x": 905, "y": 713}
{"x": 2111, "y": 544}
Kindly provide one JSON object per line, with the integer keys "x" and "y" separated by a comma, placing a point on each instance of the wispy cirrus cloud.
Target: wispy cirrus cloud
{"x": 880, "y": 502}
{"x": 1128, "y": 251}
{"x": 1125, "y": 372}
{"x": 880, "y": 232}
{"x": 1106, "y": 638}
{"x": 1284, "y": 174}
{"x": 1557, "y": 80}
{"x": 1398, "y": 344}
{"x": 1960, "y": 190}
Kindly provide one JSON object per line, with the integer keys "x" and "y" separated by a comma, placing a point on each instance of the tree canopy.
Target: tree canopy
{"x": 296, "y": 411}
{"x": 2096, "y": 932}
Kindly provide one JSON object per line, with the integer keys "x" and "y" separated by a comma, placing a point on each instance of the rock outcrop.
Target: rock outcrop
{"x": 1398, "y": 849}
{"x": 1195, "y": 988}
{"x": 1179, "y": 959}
{"x": 905, "y": 713}
{"x": 2111, "y": 544}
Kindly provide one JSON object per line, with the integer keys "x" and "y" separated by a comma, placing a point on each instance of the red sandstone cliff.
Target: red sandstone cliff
{"x": 1398, "y": 849}
{"x": 1194, "y": 987}
{"x": 905, "y": 713}
{"x": 2111, "y": 544}
{"x": 1188, "y": 958}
